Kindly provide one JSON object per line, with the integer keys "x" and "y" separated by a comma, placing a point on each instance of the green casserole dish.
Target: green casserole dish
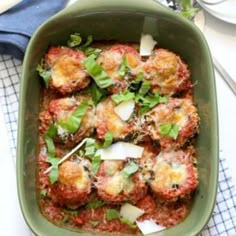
{"x": 122, "y": 21}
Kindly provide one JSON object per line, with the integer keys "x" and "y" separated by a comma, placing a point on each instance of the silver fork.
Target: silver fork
{"x": 199, "y": 21}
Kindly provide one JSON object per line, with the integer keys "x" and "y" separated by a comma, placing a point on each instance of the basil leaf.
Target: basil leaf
{"x": 53, "y": 175}
{"x": 92, "y": 51}
{"x": 43, "y": 193}
{"x": 49, "y": 135}
{"x": 95, "y": 204}
{"x": 97, "y": 73}
{"x": 146, "y": 85}
{"x": 65, "y": 219}
{"x": 122, "y": 96}
{"x": 72, "y": 123}
{"x": 131, "y": 168}
{"x": 96, "y": 93}
{"x": 128, "y": 222}
{"x": 52, "y": 131}
{"x": 188, "y": 10}
{"x": 46, "y": 75}
{"x": 94, "y": 223}
{"x": 169, "y": 130}
{"x": 123, "y": 67}
{"x": 112, "y": 214}
{"x": 74, "y": 40}
{"x": 87, "y": 43}
{"x": 108, "y": 139}
{"x": 71, "y": 212}
{"x": 90, "y": 147}
{"x": 96, "y": 161}
{"x": 135, "y": 84}
{"x": 139, "y": 77}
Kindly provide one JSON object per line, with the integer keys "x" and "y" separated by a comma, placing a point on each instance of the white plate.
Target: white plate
{"x": 225, "y": 11}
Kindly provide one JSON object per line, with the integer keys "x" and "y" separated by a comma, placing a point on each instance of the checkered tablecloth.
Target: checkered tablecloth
{"x": 223, "y": 220}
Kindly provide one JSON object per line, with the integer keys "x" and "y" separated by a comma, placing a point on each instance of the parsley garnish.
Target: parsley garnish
{"x": 46, "y": 75}
{"x": 169, "y": 130}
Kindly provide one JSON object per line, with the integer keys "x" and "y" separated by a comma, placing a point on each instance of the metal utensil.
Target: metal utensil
{"x": 199, "y": 21}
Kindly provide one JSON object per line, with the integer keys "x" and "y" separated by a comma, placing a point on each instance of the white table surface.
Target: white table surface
{"x": 222, "y": 41}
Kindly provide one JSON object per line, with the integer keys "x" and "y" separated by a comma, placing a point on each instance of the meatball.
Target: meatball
{"x": 174, "y": 174}
{"x": 108, "y": 120}
{"x": 74, "y": 184}
{"x": 62, "y": 109}
{"x": 167, "y": 73}
{"x": 111, "y": 61}
{"x": 179, "y": 112}
{"x": 67, "y": 71}
{"x": 114, "y": 187}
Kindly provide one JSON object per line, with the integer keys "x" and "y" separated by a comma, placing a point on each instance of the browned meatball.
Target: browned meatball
{"x": 74, "y": 184}
{"x": 167, "y": 73}
{"x": 111, "y": 61}
{"x": 67, "y": 71}
{"x": 113, "y": 187}
{"x": 179, "y": 112}
{"x": 62, "y": 109}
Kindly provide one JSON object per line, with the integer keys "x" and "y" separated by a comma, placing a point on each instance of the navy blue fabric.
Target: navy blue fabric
{"x": 18, "y": 24}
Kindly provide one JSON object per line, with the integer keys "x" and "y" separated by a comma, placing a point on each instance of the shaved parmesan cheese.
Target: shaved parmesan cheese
{"x": 130, "y": 212}
{"x": 120, "y": 151}
{"x": 125, "y": 109}
{"x": 147, "y": 44}
{"x": 149, "y": 226}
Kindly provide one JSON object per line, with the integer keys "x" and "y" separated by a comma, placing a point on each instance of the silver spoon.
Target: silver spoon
{"x": 199, "y": 21}
{"x": 212, "y": 2}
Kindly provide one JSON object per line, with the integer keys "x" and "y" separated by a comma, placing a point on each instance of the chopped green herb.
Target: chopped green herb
{"x": 122, "y": 96}
{"x": 74, "y": 40}
{"x": 108, "y": 139}
{"x": 96, "y": 93}
{"x": 65, "y": 219}
{"x": 43, "y": 193}
{"x": 188, "y": 10}
{"x": 112, "y": 214}
{"x": 49, "y": 135}
{"x": 95, "y": 204}
{"x": 128, "y": 222}
{"x": 90, "y": 147}
{"x": 136, "y": 83}
{"x": 139, "y": 77}
{"x": 94, "y": 223}
{"x": 87, "y": 43}
{"x": 53, "y": 175}
{"x": 131, "y": 168}
{"x": 169, "y": 130}
{"x": 96, "y": 161}
{"x": 149, "y": 101}
{"x": 146, "y": 85}
{"x": 71, "y": 212}
{"x": 97, "y": 73}
{"x": 92, "y": 51}
{"x": 46, "y": 75}
{"x": 123, "y": 68}
{"x": 72, "y": 124}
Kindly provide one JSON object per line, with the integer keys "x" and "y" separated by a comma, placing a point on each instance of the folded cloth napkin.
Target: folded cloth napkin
{"x": 18, "y": 24}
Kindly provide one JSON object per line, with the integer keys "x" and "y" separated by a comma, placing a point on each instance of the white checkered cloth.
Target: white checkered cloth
{"x": 223, "y": 220}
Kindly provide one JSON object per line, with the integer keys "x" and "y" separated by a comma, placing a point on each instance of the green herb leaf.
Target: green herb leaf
{"x": 169, "y": 130}
{"x": 146, "y": 85}
{"x": 108, "y": 139}
{"x": 49, "y": 135}
{"x": 112, "y": 214}
{"x": 95, "y": 204}
{"x": 72, "y": 123}
{"x": 75, "y": 40}
{"x": 94, "y": 223}
{"x": 53, "y": 175}
{"x": 188, "y": 10}
{"x": 90, "y": 147}
{"x": 43, "y": 193}
{"x": 65, "y": 219}
{"x": 92, "y": 51}
{"x": 122, "y": 96}
{"x": 96, "y": 161}
{"x": 71, "y": 212}
{"x": 96, "y": 93}
{"x": 88, "y": 42}
{"x": 135, "y": 84}
{"x": 128, "y": 222}
{"x": 149, "y": 101}
{"x": 123, "y": 67}
{"x": 97, "y": 73}
{"x": 46, "y": 75}
{"x": 131, "y": 168}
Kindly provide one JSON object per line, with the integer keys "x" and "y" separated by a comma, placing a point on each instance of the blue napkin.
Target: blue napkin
{"x": 18, "y": 24}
